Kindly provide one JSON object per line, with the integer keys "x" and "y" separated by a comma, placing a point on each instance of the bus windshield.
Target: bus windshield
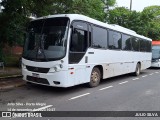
{"x": 46, "y": 39}
{"x": 155, "y": 52}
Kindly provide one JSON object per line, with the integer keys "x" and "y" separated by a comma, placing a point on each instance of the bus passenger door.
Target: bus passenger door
{"x": 78, "y": 47}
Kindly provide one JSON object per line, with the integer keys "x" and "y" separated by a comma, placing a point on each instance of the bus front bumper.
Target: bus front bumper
{"x": 56, "y": 79}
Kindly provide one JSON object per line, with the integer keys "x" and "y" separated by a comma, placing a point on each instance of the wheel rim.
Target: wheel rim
{"x": 95, "y": 77}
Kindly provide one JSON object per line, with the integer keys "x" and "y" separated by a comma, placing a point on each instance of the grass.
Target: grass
{"x": 11, "y": 60}
{"x": 9, "y": 71}
{"x": 11, "y": 65}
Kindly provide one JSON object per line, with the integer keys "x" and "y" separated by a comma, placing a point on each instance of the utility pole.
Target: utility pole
{"x": 130, "y": 5}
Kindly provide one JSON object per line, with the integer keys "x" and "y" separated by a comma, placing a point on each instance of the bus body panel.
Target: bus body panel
{"x": 118, "y": 62}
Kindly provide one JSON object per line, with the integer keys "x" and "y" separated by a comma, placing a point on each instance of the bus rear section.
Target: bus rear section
{"x": 155, "y": 54}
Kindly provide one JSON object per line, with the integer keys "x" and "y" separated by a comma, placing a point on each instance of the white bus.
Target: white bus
{"x": 70, "y": 49}
{"x": 155, "y": 54}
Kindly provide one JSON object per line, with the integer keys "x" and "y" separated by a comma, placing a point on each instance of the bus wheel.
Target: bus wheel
{"x": 95, "y": 77}
{"x": 138, "y": 67}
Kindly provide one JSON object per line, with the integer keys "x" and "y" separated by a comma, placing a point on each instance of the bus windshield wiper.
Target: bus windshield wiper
{"x": 41, "y": 43}
{"x": 43, "y": 37}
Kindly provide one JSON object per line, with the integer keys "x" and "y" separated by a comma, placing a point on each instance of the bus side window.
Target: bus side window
{"x": 99, "y": 39}
{"x": 78, "y": 40}
{"x": 126, "y": 42}
{"x": 114, "y": 40}
{"x": 135, "y": 43}
{"x": 142, "y": 45}
{"x": 148, "y": 46}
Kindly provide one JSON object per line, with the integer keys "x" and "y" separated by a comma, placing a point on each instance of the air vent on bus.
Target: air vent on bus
{"x": 37, "y": 69}
{"x": 37, "y": 80}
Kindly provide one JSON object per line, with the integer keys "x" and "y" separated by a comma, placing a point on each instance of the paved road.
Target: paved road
{"x": 122, "y": 93}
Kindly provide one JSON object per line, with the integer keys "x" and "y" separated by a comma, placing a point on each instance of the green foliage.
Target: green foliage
{"x": 12, "y": 29}
{"x": 16, "y": 14}
{"x": 154, "y": 10}
{"x": 119, "y": 15}
{"x": 40, "y": 7}
{"x": 14, "y": 17}
{"x": 13, "y": 21}
{"x": 126, "y": 18}
{"x": 11, "y": 60}
{"x": 109, "y": 3}
{"x": 145, "y": 23}
{"x": 154, "y": 31}
{"x": 91, "y": 8}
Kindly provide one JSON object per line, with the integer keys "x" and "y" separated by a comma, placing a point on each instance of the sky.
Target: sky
{"x": 137, "y": 5}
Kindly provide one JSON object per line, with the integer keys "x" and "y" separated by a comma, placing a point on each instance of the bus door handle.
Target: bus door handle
{"x": 90, "y": 52}
{"x": 86, "y": 59}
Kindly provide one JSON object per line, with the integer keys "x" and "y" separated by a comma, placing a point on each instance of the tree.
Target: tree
{"x": 154, "y": 31}
{"x": 119, "y": 15}
{"x": 137, "y": 21}
{"x": 154, "y": 10}
{"x": 16, "y": 13}
{"x": 140, "y": 22}
{"x": 12, "y": 20}
{"x": 108, "y": 4}
{"x": 91, "y": 8}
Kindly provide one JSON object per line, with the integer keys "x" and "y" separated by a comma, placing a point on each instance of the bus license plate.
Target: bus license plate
{"x": 35, "y": 75}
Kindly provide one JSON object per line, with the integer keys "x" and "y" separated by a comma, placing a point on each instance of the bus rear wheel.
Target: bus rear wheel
{"x": 95, "y": 77}
{"x": 138, "y": 68}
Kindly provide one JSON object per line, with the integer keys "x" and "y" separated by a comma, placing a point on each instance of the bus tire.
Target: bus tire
{"x": 138, "y": 69}
{"x": 95, "y": 77}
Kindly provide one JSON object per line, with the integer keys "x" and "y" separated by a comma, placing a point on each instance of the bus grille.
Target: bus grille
{"x": 37, "y": 69}
{"x": 38, "y": 80}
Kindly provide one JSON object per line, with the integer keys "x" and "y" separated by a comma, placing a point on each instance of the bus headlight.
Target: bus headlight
{"x": 56, "y": 68}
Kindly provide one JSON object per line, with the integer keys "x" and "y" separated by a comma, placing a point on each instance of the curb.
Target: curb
{"x": 11, "y": 76}
{"x": 9, "y": 87}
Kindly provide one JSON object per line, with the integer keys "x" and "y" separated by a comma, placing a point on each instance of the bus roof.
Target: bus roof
{"x": 155, "y": 42}
{"x": 91, "y": 20}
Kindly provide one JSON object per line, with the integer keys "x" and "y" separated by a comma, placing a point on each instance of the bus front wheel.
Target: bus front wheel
{"x": 95, "y": 77}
